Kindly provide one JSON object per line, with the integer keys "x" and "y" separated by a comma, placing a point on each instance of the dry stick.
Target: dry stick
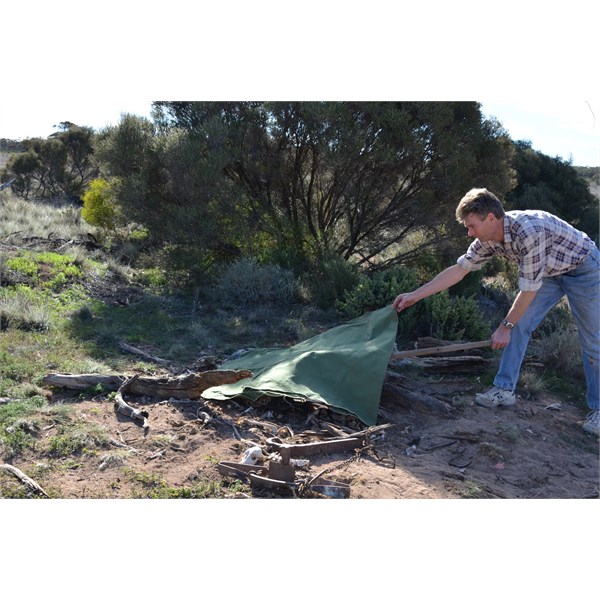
{"x": 119, "y": 444}
{"x": 30, "y": 483}
{"x": 129, "y": 411}
{"x": 143, "y": 354}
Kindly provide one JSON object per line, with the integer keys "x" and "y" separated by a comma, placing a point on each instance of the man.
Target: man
{"x": 555, "y": 260}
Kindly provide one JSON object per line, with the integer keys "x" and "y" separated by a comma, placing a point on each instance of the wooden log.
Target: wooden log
{"x": 189, "y": 385}
{"x": 25, "y": 479}
{"x": 8, "y": 400}
{"x": 419, "y": 402}
{"x": 451, "y": 364}
{"x": 445, "y": 387}
{"x": 80, "y": 382}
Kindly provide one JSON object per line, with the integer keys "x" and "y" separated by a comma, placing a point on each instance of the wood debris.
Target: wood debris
{"x": 188, "y": 385}
{"x": 134, "y": 413}
{"x": 25, "y": 479}
{"x": 397, "y": 394}
{"x": 145, "y": 355}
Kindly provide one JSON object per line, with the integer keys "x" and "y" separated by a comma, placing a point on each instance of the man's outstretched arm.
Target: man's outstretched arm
{"x": 442, "y": 281}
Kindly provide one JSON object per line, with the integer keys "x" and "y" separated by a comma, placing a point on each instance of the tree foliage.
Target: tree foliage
{"x": 347, "y": 178}
{"x": 300, "y": 183}
{"x": 554, "y": 185}
{"x": 59, "y": 166}
{"x": 172, "y": 183}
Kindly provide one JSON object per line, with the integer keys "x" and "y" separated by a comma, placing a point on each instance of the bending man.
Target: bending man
{"x": 555, "y": 260}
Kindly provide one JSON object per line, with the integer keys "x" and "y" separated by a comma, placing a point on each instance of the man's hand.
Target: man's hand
{"x": 442, "y": 281}
{"x": 404, "y": 301}
{"x": 500, "y": 338}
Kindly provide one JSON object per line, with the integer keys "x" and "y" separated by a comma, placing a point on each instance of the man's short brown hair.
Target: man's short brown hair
{"x": 480, "y": 202}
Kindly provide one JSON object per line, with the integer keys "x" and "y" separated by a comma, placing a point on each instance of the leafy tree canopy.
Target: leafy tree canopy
{"x": 554, "y": 185}
{"x": 350, "y": 179}
{"x": 59, "y": 166}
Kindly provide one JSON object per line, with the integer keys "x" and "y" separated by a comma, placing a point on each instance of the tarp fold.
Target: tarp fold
{"x": 343, "y": 367}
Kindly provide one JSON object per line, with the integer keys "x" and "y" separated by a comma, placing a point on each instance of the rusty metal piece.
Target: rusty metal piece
{"x": 333, "y": 489}
{"x": 274, "y": 484}
{"x": 240, "y": 470}
{"x": 288, "y": 451}
{"x": 283, "y": 471}
{"x": 264, "y": 477}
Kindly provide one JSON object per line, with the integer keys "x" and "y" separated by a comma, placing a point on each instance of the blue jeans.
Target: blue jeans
{"x": 582, "y": 288}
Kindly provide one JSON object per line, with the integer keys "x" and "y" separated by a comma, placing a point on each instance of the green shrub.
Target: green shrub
{"x": 454, "y": 318}
{"x": 556, "y": 343}
{"x": 99, "y": 206}
{"x": 328, "y": 281}
{"x": 247, "y": 283}
{"x": 77, "y": 438}
{"x": 376, "y": 291}
{"x": 440, "y": 315}
{"x": 17, "y": 425}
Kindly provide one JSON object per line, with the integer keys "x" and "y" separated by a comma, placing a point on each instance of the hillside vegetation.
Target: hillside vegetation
{"x": 67, "y": 305}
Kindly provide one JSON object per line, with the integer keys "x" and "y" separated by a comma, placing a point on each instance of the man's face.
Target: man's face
{"x": 482, "y": 229}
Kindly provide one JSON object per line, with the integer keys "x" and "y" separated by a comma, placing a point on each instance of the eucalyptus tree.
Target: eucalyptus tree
{"x": 350, "y": 179}
{"x": 55, "y": 167}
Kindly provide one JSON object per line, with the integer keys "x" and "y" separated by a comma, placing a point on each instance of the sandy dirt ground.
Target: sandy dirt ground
{"x": 535, "y": 449}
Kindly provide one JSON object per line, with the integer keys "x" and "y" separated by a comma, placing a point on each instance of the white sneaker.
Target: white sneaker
{"x": 495, "y": 397}
{"x": 592, "y": 422}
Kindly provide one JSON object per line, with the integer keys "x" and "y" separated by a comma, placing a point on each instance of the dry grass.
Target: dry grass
{"x": 37, "y": 218}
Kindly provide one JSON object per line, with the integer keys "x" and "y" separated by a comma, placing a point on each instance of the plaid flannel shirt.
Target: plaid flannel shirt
{"x": 542, "y": 244}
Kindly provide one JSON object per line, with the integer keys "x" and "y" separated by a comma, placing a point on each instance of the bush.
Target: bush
{"x": 247, "y": 283}
{"x": 556, "y": 343}
{"x": 99, "y": 206}
{"x": 45, "y": 269}
{"x": 453, "y": 318}
{"x": 373, "y": 292}
{"x": 441, "y": 315}
{"x": 329, "y": 280}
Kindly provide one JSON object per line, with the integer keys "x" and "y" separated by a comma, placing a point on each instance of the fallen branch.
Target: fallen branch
{"x": 25, "y": 479}
{"x": 134, "y": 413}
{"x": 119, "y": 444}
{"x": 81, "y": 382}
{"x": 8, "y": 400}
{"x": 444, "y": 387}
{"x": 451, "y": 364}
{"x": 190, "y": 385}
{"x": 138, "y": 352}
{"x": 440, "y": 349}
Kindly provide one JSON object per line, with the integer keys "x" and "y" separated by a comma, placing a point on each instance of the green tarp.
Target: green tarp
{"x": 343, "y": 367}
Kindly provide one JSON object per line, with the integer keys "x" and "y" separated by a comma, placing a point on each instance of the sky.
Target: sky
{"x": 568, "y": 129}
